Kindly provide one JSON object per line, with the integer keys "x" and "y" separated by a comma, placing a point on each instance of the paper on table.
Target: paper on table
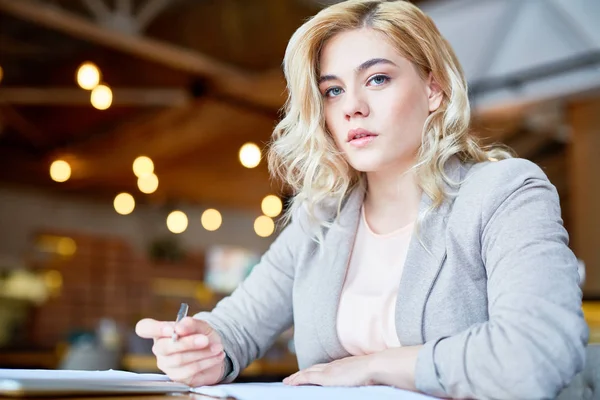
{"x": 111, "y": 374}
{"x": 266, "y": 391}
{"x": 62, "y": 383}
{"x": 241, "y": 391}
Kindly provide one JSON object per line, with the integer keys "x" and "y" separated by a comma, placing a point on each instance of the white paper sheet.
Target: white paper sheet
{"x": 111, "y": 374}
{"x": 277, "y": 391}
{"x": 240, "y": 391}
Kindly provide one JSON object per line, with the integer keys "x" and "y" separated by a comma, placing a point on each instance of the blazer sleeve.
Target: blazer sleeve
{"x": 534, "y": 340}
{"x": 260, "y": 309}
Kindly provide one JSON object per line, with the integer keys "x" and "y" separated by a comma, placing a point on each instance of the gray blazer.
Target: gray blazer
{"x": 490, "y": 289}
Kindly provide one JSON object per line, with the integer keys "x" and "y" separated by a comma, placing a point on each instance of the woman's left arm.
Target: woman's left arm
{"x": 534, "y": 341}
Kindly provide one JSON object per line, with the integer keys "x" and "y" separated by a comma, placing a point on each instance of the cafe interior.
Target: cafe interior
{"x": 133, "y": 155}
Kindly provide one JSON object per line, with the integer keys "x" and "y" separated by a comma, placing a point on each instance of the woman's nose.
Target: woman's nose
{"x": 355, "y": 106}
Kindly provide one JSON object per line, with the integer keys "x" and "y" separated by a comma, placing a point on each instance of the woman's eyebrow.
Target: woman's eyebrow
{"x": 365, "y": 65}
{"x": 374, "y": 61}
{"x": 326, "y": 78}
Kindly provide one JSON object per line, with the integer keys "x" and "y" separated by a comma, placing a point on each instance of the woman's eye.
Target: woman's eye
{"x": 333, "y": 92}
{"x": 378, "y": 80}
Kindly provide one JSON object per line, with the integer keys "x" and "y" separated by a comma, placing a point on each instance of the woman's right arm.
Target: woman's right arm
{"x": 215, "y": 346}
{"x": 260, "y": 309}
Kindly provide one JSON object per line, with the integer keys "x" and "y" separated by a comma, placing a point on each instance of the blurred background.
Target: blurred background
{"x": 132, "y": 145}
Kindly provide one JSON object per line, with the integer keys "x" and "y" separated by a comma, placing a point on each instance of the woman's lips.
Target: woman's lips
{"x": 362, "y": 142}
{"x": 360, "y": 137}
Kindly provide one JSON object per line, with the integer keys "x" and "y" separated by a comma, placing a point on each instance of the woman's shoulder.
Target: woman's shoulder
{"x": 489, "y": 186}
{"x": 498, "y": 177}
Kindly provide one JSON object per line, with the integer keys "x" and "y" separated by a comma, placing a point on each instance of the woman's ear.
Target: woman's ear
{"x": 434, "y": 93}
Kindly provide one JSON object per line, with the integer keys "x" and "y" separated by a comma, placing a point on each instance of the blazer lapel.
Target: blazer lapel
{"x": 337, "y": 248}
{"x": 426, "y": 254}
{"x": 420, "y": 269}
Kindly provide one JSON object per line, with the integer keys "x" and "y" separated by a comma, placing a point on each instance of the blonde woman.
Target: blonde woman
{"x": 414, "y": 258}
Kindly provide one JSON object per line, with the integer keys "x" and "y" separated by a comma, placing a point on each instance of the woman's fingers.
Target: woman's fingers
{"x": 184, "y": 358}
{"x": 149, "y": 328}
{"x": 195, "y": 358}
{"x": 191, "y": 373}
{"x": 189, "y": 326}
{"x": 166, "y": 347}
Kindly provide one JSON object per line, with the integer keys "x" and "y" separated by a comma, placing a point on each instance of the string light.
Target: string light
{"x": 124, "y": 203}
{"x": 88, "y": 76}
{"x": 177, "y": 221}
{"x": 143, "y": 166}
{"x": 148, "y": 183}
{"x": 101, "y": 97}
{"x": 264, "y": 226}
{"x": 211, "y": 219}
{"x": 60, "y": 171}
{"x": 249, "y": 155}
{"x": 271, "y": 206}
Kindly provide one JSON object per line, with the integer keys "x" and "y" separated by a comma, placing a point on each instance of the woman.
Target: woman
{"x": 414, "y": 257}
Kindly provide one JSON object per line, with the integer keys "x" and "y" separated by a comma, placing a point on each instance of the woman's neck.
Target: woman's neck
{"x": 392, "y": 200}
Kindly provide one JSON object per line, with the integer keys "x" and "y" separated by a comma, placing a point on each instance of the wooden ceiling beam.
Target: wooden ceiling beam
{"x": 164, "y": 138}
{"x": 246, "y": 188}
{"x": 24, "y": 127}
{"x": 52, "y": 96}
{"x": 264, "y": 89}
{"x": 98, "y": 9}
{"x": 149, "y": 11}
{"x": 206, "y": 174}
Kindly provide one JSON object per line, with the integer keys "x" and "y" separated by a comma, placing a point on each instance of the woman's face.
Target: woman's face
{"x": 375, "y": 101}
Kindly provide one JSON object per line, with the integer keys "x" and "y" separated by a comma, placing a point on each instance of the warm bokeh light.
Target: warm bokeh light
{"x": 211, "y": 219}
{"x": 264, "y": 226}
{"x": 177, "y": 221}
{"x": 1, "y": 74}
{"x": 66, "y": 247}
{"x": 271, "y": 206}
{"x": 101, "y": 97}
{"x": 249, "y": 155}
{"x": 143, "y": 166}
{"x": 61, "y": 245}
{"x": 88, "y": 76}
{"x": 60, "y": 171}
{"x": 148, "y": 184}
{"x": 124, "y": 203}
{"x": 53, "y": 280}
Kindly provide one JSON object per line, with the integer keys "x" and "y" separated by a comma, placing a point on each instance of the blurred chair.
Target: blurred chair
{"x": 90, "y": 357}
{"x": 101, "y": 351}
{"x": 585, "y": 385}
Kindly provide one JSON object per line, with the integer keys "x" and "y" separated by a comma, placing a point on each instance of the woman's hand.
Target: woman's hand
{"x": 196, "y": 358}
{"x": 391, "y": 367}
{"x": 350, "y": 371}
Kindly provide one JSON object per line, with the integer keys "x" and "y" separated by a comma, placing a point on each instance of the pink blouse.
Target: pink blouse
{"x": 366, "y": 315}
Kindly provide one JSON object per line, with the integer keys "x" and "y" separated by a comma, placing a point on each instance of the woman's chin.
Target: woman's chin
{"x": 372, "y": 164}
{"x": 366, "y": 165}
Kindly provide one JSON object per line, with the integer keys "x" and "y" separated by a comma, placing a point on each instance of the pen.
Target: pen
{"x": 183, "y": 310}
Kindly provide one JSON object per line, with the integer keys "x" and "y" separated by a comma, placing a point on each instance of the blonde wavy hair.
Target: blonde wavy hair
{"x": 304, "y": 155}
